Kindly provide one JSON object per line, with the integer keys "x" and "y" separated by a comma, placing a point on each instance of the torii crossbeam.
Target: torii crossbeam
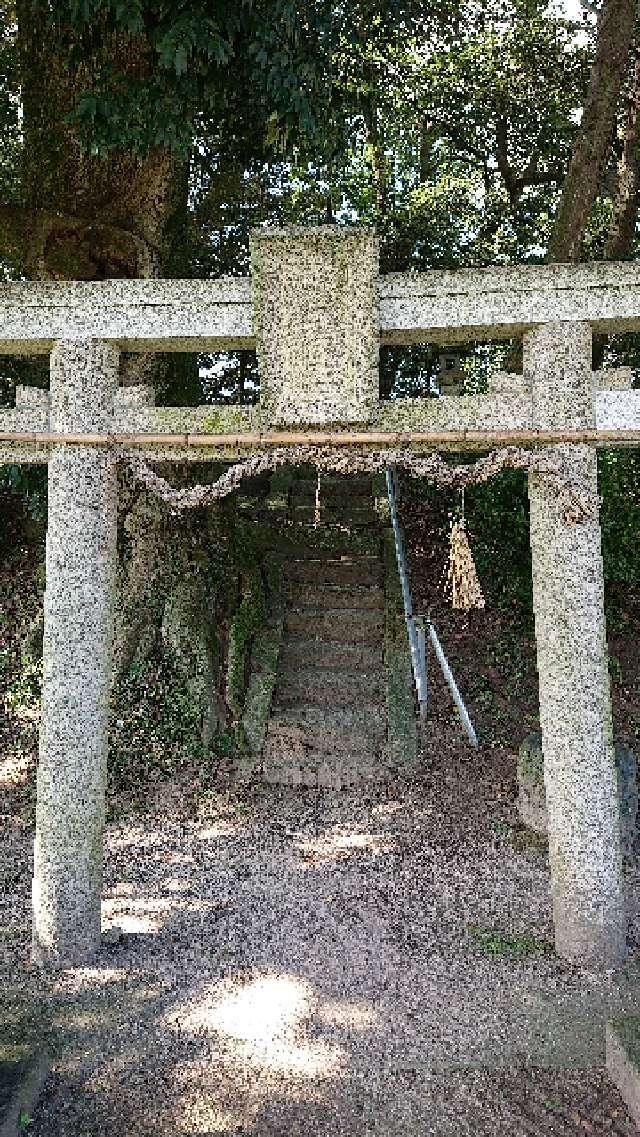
{"x": 317, "y": 312}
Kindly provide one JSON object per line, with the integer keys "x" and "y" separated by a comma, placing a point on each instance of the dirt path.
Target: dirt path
{"x": 297, "y": 962}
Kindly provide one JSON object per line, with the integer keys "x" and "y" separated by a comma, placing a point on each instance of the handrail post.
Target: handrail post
{"x": 453, "y": 686}
{"x": 422, "y": 659}
{"x": 417, "y": 657}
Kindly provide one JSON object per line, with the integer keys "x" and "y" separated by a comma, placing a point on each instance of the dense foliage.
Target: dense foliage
{"x": 450, "y": 126}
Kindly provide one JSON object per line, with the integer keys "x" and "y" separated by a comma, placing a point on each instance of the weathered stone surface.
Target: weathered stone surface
{"x": 531, "y": 792}
{"x": 613, "y": 379}
{"x": 531, "y": 795}
{"x": 618, "y": 410}
{"x": 130, "y": 398}
{"x": 319, "y": 687}
{"x": 316, "y": 323}
{"x": 264, "y": 668}
{"x": 30, "y": 398}
{"x": 345, "y": 570}
{"x": 136, "y": 315}
{"x": 343, "y": 710}
{"x": 209, "y": 315}
{"x": 331, "y": 654}
{"x": 505, "y": 410}
{"x": 334, "y": 596}
{"x": 607, "y": 379}
{"x": 622, "y": 1042}
{"x": 508, "y": 411}
{"x": 445, "y": 306}
{"x": 78, "y": 606}
{"x": 575, "y": 710}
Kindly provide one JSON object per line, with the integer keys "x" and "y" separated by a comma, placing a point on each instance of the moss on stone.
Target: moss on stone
{"x": 264, "y": 668}
{"x": 627, "y": 1030}
{"x": 530, "y": 759}
{"x": 249, "y": 617}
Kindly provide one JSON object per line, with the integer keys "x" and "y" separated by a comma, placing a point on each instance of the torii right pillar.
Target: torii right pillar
{"x": 575, "y": 706}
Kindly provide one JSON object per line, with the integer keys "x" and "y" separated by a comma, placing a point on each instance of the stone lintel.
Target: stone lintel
{"x": 608, "y": 379}
{"x": 457, "y": 305}
{"x": 186, "y": 420}
{"x": 443, "y": 306}
{"x": 614, "y": 410}
{"x": 28, "y": 397}
{"x": 135, "y": 315}
{"x": 137, "y": 395}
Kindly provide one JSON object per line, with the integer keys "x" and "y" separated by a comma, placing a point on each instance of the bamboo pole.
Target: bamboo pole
{"x": 258, "y": 439}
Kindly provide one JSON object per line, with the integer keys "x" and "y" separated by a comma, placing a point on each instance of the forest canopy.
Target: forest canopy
{"x": 148, "y": 139}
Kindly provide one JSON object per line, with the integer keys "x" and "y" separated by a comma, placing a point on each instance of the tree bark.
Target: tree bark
{"x": 86, "y": 217}
{"x": 625, "y": 207}
{"x": 616, "y": 24}
{"x": 77, "y": 201}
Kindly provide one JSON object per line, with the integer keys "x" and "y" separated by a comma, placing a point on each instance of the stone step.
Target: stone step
{"x": 332, "y": 729}
{"x": 319, "y": 772}
{"x": 342, "y": 625}
{"x": 330, "y": 654}
{"x": 325, "y": 596}
{"x": 348, "y": 515}
{"x": 333, "y": 496}
{"x": 345, "y": 570}
{"x": 328, "y": 542}
{"x": 287, "y": 747}
{"x": 347, "y": 487}
{"x": 315, "y": 686}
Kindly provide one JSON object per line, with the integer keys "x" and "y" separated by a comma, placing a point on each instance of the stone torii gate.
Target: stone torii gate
{"x": 317, "y": 312}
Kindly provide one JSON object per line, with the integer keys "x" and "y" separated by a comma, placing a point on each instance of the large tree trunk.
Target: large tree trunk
{"x": 622, "y": 229}
{"x": 616, "y": 24}
{"x": 625, "y": 207}
{"x": 85, "y": 217}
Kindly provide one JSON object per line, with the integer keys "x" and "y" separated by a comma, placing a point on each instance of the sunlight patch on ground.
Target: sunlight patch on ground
{"x": 174, "y": 884}
{"x": 262, "y": 1010}
{"x": 220, "y": 829}
{"x": 124, "y": 888}
{"x": 14, "y": 769}
{"x": 148, "y": 915}
{"x": 387, "y": 808}
{"x": 77, "y": 980}
{"x": 126, "y": 836}
{"x": 332, "y": 845}
{"x": 355, "y": 1014}
{"x": 263, "y": 1022}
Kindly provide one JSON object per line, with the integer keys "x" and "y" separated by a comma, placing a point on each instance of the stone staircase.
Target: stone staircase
{"x": 328, "y": 723}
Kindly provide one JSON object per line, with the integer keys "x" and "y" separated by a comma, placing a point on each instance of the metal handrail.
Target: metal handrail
{"x": 416, "y": 630}
{"x": 417, "y": 644}
{"x": 452, "y": 685}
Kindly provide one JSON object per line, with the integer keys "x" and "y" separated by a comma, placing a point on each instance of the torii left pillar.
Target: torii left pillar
{"x": 77, "y": 657}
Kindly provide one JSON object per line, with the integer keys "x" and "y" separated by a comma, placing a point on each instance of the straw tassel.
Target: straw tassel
{"x": 463, "y": 586}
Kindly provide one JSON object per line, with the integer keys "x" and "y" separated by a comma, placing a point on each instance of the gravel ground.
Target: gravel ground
{"x": 297, "y": 962}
